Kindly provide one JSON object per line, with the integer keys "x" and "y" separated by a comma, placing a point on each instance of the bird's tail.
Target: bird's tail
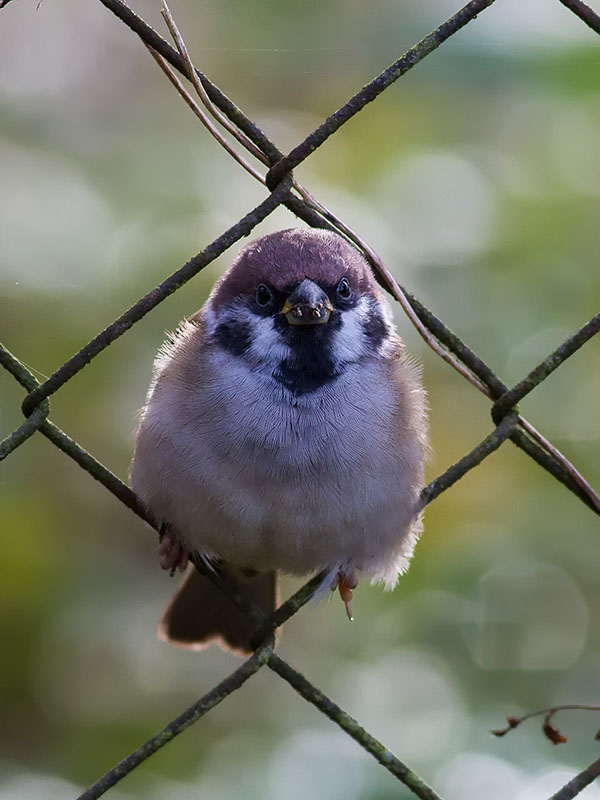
{"x": 199, "y": 614}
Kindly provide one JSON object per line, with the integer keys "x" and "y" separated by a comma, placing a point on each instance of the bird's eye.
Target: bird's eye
{"x": 343, "y": 289}
{"x": 263, "y": 295}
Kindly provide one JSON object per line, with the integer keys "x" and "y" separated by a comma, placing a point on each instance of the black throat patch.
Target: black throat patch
{"x": 311, "y": 364}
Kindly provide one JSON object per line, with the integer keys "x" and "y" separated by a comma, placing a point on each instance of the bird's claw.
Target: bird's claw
{"x": 345, "y": 583}
{"x": 173, "y": 555}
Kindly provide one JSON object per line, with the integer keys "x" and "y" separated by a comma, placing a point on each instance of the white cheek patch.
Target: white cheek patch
{"x": 267, "y": 344}
{"x": 386, "y": 312}
{"x": 350, "y": 341}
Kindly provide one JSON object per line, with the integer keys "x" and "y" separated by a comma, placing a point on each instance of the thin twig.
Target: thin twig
{"x": 547, "y": 713}
{"x": 212, "y": 129}
{"x": 398, "y": 293}
{"x": 193, "y": 76}
{"x": 579, "y": 782}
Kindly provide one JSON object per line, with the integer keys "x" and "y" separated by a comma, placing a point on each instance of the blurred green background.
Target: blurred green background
{"x": 477, "y": 177}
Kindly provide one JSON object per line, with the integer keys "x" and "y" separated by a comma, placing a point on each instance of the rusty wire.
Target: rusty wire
{"x": 283, "y": 190}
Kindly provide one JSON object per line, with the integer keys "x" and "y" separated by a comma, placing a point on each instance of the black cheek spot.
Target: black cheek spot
{"x": 233, "y": 336}
{"x": 375, "y": 328}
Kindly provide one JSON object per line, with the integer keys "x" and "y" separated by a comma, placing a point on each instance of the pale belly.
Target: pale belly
{"x": 300, "y": 486}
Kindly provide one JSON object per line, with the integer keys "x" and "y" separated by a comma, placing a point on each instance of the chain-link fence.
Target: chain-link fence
{"x": 283, "y": 190}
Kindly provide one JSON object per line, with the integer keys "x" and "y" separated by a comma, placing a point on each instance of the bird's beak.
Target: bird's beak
{"x": 307, "y": 305}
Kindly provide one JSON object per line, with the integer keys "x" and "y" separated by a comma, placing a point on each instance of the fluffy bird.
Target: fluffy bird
{"x": 284, "y": 429}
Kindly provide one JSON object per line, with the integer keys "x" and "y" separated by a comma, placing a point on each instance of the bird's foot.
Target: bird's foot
{"x": 173, "y": 554}
{"x": 345, "y": 583}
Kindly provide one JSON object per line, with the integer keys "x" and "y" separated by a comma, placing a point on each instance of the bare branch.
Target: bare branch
{"x": 549, "y": 731}
{"x": 170, "y": 73}
{"x": 193, "y": 76}
{"x": 578, "y": 783}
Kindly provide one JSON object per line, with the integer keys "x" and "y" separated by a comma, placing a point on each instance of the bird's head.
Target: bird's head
{"x": 302, "y": 304}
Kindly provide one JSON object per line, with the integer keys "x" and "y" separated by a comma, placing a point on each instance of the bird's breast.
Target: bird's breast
{"x": 281, "y": 434}
{"x": 268, "y": 479}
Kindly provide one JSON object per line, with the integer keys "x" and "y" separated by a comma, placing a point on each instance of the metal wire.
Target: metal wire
{"x": 509, "y": 424}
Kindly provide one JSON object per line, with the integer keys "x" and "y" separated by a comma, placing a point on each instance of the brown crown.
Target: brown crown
{"x": 283, "y": 259}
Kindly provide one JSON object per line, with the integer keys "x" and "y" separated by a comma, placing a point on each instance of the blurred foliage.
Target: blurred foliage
{"x": 477, "y": 177}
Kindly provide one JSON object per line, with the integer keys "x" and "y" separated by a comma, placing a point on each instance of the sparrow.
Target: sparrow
{"x": 284, "y": 430}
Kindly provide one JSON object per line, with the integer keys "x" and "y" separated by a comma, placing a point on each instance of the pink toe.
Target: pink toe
{"x": 172, "y": 554}
{"x": 165, "y": 544}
